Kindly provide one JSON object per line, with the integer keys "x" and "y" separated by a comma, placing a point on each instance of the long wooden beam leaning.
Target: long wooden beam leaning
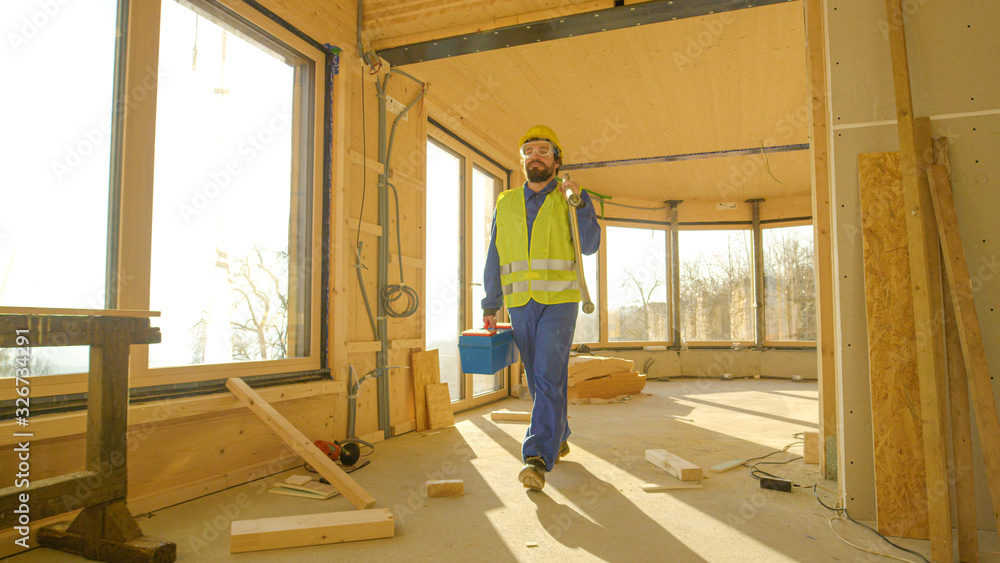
{"x": 923, "y": 247}
{"x": 960, "y": 286}
{"x": 296, "y": 440}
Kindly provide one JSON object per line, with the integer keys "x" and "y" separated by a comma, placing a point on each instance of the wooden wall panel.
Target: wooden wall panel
{"x": 900, "y": 482}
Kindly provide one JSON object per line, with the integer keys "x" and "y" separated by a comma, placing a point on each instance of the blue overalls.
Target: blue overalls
{"x": 543, "y": 334}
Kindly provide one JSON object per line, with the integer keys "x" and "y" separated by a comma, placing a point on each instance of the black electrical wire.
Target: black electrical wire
{"x": 863, "y": 525}
{"x": 394, "y": 292}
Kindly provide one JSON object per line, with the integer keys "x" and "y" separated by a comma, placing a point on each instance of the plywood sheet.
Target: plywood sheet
{"x": 439, "y": 413}
{"x": 426, "y": 370}
{"x": 900, "y": 478}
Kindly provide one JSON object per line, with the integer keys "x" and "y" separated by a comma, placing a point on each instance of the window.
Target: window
{"x": 637, "y": 285}
{"x": 57, "y": 162}
{"x": 229, "y": 195}
{"x": 588, "y": 327}
{"x": 716, "y": 290}
{"x": 215, "y": 229}
{"x": 790, "y": 291}
{"x": 462, "y": 188}
{"x": 444, "y": 317}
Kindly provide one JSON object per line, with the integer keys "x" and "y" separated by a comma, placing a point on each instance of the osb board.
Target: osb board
{"x": 900, "y": 484}
{"x": 439, "y": 413}
{"x": 426, "y": 370}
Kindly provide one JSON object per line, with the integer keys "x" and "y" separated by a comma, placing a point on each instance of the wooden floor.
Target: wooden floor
{"x": 593, "y": 507}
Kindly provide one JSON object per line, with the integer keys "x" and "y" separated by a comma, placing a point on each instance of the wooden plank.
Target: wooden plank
{"x": 960, "y": 285}
{"x": 310, "y": 529}
{"x": 445, "y": 488}
{"x": 810, "y": 447}
{"x": 406, "y": 343}
{"x": 900, "y": 483}
{"x": 373, "y": 437}
{"x": 301, "y": 445}
{"x": 961, "y": 432}
{"x": 404, "y": 427}
{"x": 727, "y": 465}
{"x": 122, "y": 313}
{"x": 516, "y": 416}
{"x": 916, "y": 153}
{"x": 819, "y": 135}
{"x": 439, "y": 412}
{"x": 425, "y": 369}
{"x": 308, "y": 489}
{"x": 608, "y": 387}
{"x": 364, "y": 227}
{"x": 674, "y": 465}
{"x": 142, "y": 415}
{"x": 582, "y": 368}
{"x": 49, "y": 496}
{"x": 363, "y": 347}
{"x": 651, "y": 488}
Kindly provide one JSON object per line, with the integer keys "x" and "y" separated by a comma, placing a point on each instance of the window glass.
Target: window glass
{"x": 716, "y": 300}
{"x": 58, "y": 62}
{"x": 588, "y": 327}
{"x": 443, "y": 272}
{"x": 790, "y": 290}
{"x": 484, "y": 196}
{"x": 230, "y": 189}
{"x": 637, "y": 284}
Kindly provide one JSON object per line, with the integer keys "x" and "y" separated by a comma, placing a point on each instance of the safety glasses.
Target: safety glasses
{"x": 537, "y": 150}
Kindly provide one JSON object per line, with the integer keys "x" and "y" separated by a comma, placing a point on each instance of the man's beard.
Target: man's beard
{"x": 538, "y": 173}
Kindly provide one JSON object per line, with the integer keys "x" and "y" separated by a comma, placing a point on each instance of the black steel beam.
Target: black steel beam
{"x": 619, "y": 17}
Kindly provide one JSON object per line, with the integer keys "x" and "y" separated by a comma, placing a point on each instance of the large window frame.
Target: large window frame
{"x": 471, "y": 311}
{"x": 673, "y": 291}
{"x": 132, "y": 203}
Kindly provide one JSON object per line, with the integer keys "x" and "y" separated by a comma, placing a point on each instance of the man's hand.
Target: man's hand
{"x": 567, "y": 184}
{"x": 490, "y": 322}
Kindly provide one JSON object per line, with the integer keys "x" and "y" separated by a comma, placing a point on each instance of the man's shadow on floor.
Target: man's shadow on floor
{"x": 610, "y": 526}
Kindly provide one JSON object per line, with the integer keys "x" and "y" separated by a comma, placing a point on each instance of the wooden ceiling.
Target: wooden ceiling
{"x": 721, "y": 82}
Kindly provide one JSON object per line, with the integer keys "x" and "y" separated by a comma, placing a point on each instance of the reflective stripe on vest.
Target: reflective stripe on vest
{"x": 549, "y": 275}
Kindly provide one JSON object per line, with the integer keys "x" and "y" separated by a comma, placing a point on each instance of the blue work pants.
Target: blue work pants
{"x": 544, "y": 335}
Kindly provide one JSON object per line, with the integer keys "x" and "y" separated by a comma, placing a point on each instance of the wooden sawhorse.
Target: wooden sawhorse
{"x": 104, "y": 530}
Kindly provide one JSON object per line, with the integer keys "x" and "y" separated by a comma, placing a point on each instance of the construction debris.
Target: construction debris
{"x": 311, "y": 529}
{"x": 596, "y": 377}
{"x": 446, "y": 488}
{"x": 674, "y": 465}
{"x": 514, "y": 416}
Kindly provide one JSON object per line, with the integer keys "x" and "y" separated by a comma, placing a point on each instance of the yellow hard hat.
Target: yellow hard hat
{"x": 541, "y": 132}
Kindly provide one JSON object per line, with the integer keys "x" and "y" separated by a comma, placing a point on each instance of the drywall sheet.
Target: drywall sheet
{"x": 900, "y": 484}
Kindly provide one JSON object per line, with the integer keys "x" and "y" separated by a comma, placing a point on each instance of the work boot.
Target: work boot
{"x": 532, "y": 475}
{"x": 564, "y": 449}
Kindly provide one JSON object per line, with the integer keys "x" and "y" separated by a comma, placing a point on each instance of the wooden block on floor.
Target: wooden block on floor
{"x": 680, "y": 468}
{"x": 515, "y": 416}
{"x": 426, "y": 370}
{"x": 446, "y": 488}
{"x": 810, "y": 447}
{"x": 311, "y": 529}
{"x": 439, "y": 413}
{"x": 310, "y": 489}
{"x": 298, "y": 479}
{"x": 404, "y": 427}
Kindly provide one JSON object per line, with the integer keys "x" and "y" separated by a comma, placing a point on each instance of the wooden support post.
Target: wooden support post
{"x": 971, "y": 339}
{"x": 822, "y": 241}
{"x": 916, "y": 153}
{"x": 296, "y": 440}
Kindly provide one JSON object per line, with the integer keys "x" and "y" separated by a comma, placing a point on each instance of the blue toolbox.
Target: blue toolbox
{"x": 485, "y": 351}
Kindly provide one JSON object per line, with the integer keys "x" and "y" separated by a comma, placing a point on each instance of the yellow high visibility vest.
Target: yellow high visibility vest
{"x": 548, "y": 275}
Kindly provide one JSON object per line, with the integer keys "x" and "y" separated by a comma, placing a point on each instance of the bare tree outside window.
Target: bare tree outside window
{"x": 789, "y": 284}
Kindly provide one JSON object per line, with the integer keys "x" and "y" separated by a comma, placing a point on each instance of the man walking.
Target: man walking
{"x": 530, "y": 268}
